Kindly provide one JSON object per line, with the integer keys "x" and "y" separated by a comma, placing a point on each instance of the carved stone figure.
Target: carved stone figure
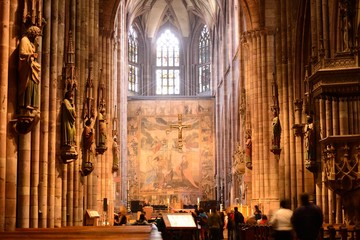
{"x": 68, "y": 130}
{"x": 101, "y": 132}
{"x": 116, "y": 155}
{"x": 88, "y": 141}
{"x": 309, "y": 137}
{"x": 88, "y": 135}
{"x": 68, "y": 116}
{"x": 248, "y": 151}
{"x": 276, "y": 132}
{"x": 29, "y": 70}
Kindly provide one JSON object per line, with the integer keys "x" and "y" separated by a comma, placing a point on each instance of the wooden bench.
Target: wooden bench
{"x": 85, "y": 232}
{"x": 339, "y": 232}
{"x": 327, "y": 232}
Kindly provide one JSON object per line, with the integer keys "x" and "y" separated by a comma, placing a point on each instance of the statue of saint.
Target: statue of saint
{"x": 116, "y": 155}
{"x": 29, "y": 70}
{"x": 309, "y": 138}
{"x": 88, "y": 135}
{"x": 88, "y": 141}
{"x": 68, "y": 116}
{"x": 248, "y": 151}
{"x": 276, "y": 130}
{"x": 101, "y": 130}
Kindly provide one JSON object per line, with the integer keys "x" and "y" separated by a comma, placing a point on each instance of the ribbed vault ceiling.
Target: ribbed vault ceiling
{"x": 179, "y": 12}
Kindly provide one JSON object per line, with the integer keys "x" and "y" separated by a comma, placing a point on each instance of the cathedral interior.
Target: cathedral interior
{"x": 176, "y": 102}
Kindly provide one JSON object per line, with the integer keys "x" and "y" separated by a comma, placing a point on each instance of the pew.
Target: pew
{"x": 84, "y": 232}
{"x": 327, "y": 232}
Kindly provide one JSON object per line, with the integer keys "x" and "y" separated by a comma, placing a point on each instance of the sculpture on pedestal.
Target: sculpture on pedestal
{"x": 68, "y": 109}
{"x": 276, "y": 133}
{"x": 88, "y": 137}
{"x": 68, "y": 129}
{"x": 88, "y": 152}
{"x": 28, "y": 81}
{"x": 101, "y": 124}
{"x": 309, "y": 139}
{"x": 248, "y": 149}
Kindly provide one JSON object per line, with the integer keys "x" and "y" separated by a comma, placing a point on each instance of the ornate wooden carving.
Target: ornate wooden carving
{"x": 341, "y": 156}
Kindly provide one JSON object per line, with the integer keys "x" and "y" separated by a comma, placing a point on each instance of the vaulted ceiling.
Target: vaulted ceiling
{"x": 178, "y": 12}
{"x": 155, "y": 12}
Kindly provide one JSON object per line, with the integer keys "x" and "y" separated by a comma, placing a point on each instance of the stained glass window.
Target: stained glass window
{"x": 204, "y": 67}
{"x": 133, "y": 47}
{"x": 167, "y": 64}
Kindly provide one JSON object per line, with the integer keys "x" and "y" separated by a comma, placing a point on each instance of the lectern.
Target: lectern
{"x": 179, "y": 226}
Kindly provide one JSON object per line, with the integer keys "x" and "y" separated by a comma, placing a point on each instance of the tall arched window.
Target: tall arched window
{"x": 167, "y": 64}
{"x": 133, "y": 50}
{"x": 204, "y": 67}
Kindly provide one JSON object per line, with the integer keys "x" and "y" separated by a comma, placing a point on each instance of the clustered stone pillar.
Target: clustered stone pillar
{"x": 265, "y": 174}
{"x": 36, "y": 188}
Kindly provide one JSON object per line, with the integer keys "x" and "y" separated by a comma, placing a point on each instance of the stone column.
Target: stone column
{"x": 70, "y": 194}
{"x": 77, "y": 7}
{"x": 59, "y": 175}
{"x": 64, "y": 195}
{"x": 343, "y": 116}
{"x": 23, "y": 184}
{"x": 52, "y": 114}
{"x": 335, "y": 116}
{"x": 11, "y": 142}
{"x": 4, "y": 77}
{"x": 314, "y": 37}
{"x": 44, "y": 117}
{"x": 34, "y": 191}
{"x": 299, "y": 163}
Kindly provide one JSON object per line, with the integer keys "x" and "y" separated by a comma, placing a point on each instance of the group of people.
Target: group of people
{"x": 304, "y": 222}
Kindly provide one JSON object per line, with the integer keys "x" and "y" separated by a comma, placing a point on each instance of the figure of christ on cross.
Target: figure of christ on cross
{"x": 180, "y": 127}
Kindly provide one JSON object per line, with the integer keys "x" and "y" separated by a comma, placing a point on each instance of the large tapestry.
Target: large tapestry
{"x": 171, "y": 151}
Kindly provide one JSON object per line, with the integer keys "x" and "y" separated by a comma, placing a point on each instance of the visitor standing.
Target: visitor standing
{"x": 307, "y": 219}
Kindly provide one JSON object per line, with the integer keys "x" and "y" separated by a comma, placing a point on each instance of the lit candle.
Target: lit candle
{"x": 241, "y": 207}
{"x": 247, "y": 211}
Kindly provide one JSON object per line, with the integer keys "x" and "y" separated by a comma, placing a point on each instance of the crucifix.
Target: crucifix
{"x": 179, "y": 126}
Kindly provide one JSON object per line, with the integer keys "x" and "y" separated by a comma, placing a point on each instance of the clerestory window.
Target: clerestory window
{"x": 167, "y": 64}
{"x": 204, "y": 67}
{"x": 133, "y": 52}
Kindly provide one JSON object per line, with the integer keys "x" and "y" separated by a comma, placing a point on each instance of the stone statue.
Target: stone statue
{"x": 276, "y": 131}
{"x": 88, "y": 152}
{"x": 101, "y": 132}
{"x": 68, "y": 116}
{"x": 116, "y": 155}
{"x": 248, "y": 151}
{"x": 88, "y": 135}
{"x": 309, "y": 138}
{"x": 29, "y": 70}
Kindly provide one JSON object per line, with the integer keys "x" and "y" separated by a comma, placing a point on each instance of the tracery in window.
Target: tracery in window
{"x": 167, "y": 64}
{"x": 133, "y": 48}
{"x": 204, "y": 67}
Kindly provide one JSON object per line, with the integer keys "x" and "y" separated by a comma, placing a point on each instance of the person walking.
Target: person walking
{"x": 281, "y": 222}
{"x": 307, "y": 219}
